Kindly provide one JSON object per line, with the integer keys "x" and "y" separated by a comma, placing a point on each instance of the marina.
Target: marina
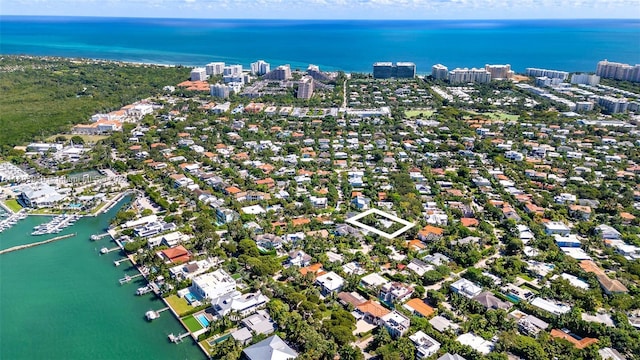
{"x": 87, "y": 315}
{"x": 56, "y": 225}
{"x": 8, "y": 221}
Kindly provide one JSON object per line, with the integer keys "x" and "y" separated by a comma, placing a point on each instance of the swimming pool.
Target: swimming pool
{"x": 214, "y": 342}
{"x": 190, "y": 298}
{"x": 202, "y": 320}
{"x": 513, "y": 298}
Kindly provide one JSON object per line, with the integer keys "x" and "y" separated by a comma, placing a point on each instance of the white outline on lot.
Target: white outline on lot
{"x": 354, "y": 221}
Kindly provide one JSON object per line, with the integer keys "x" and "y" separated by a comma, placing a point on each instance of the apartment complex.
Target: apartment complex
{"x": 305, "y": 87}
{"x": 220, "y": 90}
{"x": 548, "y": 73}
{"x": 618, "y": 71}
{"x": 399, "y": 70}
{"x": 199, "y": 74}
{"x": 214, "y": 68}
{"x": 260, "y": 67}
{"x": 440, "y": 72}
{"x": 473, "y": 75}
{"x": 499, "y": 71}
{"x": 282, "y": 72}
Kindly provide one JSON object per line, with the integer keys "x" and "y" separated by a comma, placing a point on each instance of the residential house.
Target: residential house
{"x": 272, "y": 348}
{"x": 419, "y": 308}
{"x": 330, "y": 283}
{"x": 395, "y": 292}
{"x": 490, "y": 301}
{"x": 466, "y": 288}
{"x": 396, "y": 323}
{"x": 425, "y": 345}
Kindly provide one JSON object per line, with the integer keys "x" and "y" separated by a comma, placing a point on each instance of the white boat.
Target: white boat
{"x": 151, "y": 315}
{"x": 104, "y": 250}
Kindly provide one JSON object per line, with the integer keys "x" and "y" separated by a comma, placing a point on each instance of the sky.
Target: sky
{"x": 330, "y": 9}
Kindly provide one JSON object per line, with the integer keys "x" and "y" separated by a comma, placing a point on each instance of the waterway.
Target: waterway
{"x": 62, "y": 300}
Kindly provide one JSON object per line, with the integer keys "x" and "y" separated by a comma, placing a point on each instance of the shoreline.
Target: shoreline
{"x": 112, "y": 234}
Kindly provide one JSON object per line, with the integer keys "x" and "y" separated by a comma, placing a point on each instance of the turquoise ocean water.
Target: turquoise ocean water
{"x": 352, "y": 46}
{"x": 62, "y": 300}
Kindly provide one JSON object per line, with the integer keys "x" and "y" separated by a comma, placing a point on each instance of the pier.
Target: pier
{"x": 25, "y": 246}
{"x": 177, "y": 339}
{"x": 117, "y": 262}
{"x": 105, "y": 250}
{"x": 128, "y": 278}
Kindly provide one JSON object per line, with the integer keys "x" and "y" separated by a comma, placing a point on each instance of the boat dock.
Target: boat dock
{"x": 25, "y": 246}
{"x": 177, "y": 339}
{"x": 127, "y": 278}
{"x": 105, "y": 250}
{"x": 117, "y": 262}
{"x": 96, "y": 237}
{"x": 55, "y": 225}
{"x": 5, "y": 224}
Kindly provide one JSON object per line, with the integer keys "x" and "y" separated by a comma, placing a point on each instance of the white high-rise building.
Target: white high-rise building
{"x": 548, "y": 73}
{"x": 586, "y": 79}
{"x": 499, "y": 71}
{"x": 458, "y": 76}
{"x": 260, "y": 67}
{"x": 234, "y": 70}
{"x": 618, "y": 71}
{"x": 214, "y": 68}
{"x": 305, "y": 87}
{"x": 282, "y": 72}
{"x": 439, "y": 72}
{"x": 220, "y": 90}
{"x": 199, "y": 74}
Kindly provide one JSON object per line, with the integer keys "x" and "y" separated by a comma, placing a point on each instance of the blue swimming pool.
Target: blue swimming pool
{"x": 513, "y": 298}
{"x": 202, "y": 320}
{"x": 190, "y": 298}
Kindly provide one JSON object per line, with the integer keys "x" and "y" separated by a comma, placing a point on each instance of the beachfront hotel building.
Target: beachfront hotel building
{"x": 305, "y": 87}
{"x": 460, "y": 76}
{"x": 499, "y": 71}
{"x": 260, "y": 67}
{"x": 282, "y": 72}
{"x": 199, "y": 74}
{"x": 399, "y": 70}
{"x": 548, "y": 73}
{"x": 439, "y": 72}
{"x": 214, "y": 68}
{"x": 618, "y": 71}
{"x": 213, "y": 285}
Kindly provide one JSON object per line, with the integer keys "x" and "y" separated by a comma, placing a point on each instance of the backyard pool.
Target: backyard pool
{"x": 202, "y": 320}
{"x": 190, "y": 298}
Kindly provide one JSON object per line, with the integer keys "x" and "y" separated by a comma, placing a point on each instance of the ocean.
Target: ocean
{"x": 62, "y": 300}
{"x": 351, "y": 46}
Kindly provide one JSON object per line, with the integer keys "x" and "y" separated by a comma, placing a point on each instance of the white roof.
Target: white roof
{"x": 272, "y": 348}
{"x": 374, "y": 279}
{"x": 476, "y": 343}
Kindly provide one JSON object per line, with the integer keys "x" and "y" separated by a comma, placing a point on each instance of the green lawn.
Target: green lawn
{"x": 498, "y": 115}
{"x": 13, "y": 205}
{"x": 192, "y": 324}
{"x": 424, "y": 113}
{"x": 179, "y": 305}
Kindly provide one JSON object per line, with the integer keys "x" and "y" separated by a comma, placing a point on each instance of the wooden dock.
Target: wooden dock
{"x": 96, "y": 237}
{"x": 177, "y": 339}
{"x": 127, "y": 278}
{"x": 117, "y": 262}
{"x": 26, "y": 246}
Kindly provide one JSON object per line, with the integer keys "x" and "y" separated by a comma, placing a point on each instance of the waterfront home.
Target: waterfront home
{"x": 260, "y": 323}
{"x": 213, "y": 285}
{"x": 175, "y": 255}
{"x": 238, "y": 304}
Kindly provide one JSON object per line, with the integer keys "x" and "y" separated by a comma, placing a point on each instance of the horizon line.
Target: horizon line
{"x": 317, "y": 19}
